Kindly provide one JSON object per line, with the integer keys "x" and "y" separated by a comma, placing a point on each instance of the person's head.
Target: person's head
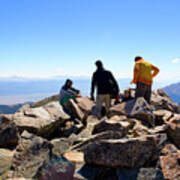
{"x": 99, "y": 64}
{"x": 137, "y": 58}
{"x": 68, "y": 83}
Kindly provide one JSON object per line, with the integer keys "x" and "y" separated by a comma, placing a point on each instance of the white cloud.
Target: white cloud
{"x": 176, "y": 60}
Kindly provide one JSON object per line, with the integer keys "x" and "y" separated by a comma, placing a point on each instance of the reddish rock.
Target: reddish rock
{"x": 170, "y": 165}
{"x": 174, "y": 130}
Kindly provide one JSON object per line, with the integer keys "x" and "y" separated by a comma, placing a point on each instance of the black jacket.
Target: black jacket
{"x": 104, "y": 81}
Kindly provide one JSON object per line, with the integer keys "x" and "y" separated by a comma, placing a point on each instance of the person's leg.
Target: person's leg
{"x": 99, "y": 103}
{"x": 107, "y": 101}
{"x": 148, "y": 94}
{"x": 140, "y": 90}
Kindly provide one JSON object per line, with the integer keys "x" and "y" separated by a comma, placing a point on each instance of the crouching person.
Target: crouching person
{"x": 67, "y": 92}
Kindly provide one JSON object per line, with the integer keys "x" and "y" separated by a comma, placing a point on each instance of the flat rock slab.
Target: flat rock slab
{"x": 85, "y": 104}
{"x": 74, "y": 157}
{"x": 41, "y": 121}
{"x": 129, "y": 153}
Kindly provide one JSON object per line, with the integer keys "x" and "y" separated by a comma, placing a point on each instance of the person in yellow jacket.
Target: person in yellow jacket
{"x": 144, "y": 72}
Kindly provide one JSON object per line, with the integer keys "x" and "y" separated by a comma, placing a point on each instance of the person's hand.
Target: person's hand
{"x": 79, "y": 96}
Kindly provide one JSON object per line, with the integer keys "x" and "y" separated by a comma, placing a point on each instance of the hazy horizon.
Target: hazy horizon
{"x": 15, "y": 90}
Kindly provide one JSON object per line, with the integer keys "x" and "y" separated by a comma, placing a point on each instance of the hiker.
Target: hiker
{"x": 106, "y": 87}
{"x": 127, "y": 95}
{"x": 144, "y": 72}
{"x": 67, "y": 92}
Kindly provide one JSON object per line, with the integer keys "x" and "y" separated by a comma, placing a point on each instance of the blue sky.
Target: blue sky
{"x": 42, "y": 38}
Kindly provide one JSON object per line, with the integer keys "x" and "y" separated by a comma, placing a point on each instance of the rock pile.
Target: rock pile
{"x": 136, "y": 141}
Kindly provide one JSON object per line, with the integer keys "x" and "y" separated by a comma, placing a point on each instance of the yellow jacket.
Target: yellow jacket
{"x": 144, "y": 72}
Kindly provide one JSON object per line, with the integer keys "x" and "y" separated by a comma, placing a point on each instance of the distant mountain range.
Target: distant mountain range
{"x": 173, "y": 91}
{"x": 11, "y": 109}
{"x": 18, "y": 90}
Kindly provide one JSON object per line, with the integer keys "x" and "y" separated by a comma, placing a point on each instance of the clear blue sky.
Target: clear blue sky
{"x": 43, "y": 38}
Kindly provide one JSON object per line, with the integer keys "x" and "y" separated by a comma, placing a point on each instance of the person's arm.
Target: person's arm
{"x": 114, "y": 82}
{"x": 92, "y": 86}
{"x": 155, "y": 70}
{"x": 136, "y": 69}
{"x": 75, "y": 90}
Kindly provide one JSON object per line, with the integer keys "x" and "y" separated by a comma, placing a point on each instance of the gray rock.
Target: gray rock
{"x": 85, "y": 104}
{"x": 119, "y": 124}
{"x": 135, "y": 109}
{"x": 60, "y": 146}
{"x": 59, "y": 169}
{"x": 56, "y": 111}
{"x": 9, "y": 132}
{"x": 39, "y": 121}
{"x": 30, "y": 155}
{"x": 6, "y": 157}
{"x": 160, "y": 100}
{"x": 129, "y": 153}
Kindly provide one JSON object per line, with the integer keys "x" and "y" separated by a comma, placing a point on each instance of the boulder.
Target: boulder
{"x": 97, "y": 137}
{"x": 160, "y": 100}
{"x": 8, "y": 132}
{"x": 119, "y": 124}
{"x": 30, "y": 155}
{"x": 60, "y": 146}
{"x": 59, "y": 168}
{"x": 135, "y": 108}
{"x": 158, "y": 129}
{"x": 170, "y": 166}
{"x": 169, "y": 149}
{"x": 40, "y": 121}
{"x": 162, "y": 116}
{"x": 174, "y": 130}
{"x": 128, "y": 153}
{"x": 56, "y": 111}
{"x": 6, "y": 157}
{"x": 86, "y": 133}
{"x": 76, "y": 112}
{"x": 85, "y": 104}
{"x": 70, "y": 128}
{"x": 139, "y": 129}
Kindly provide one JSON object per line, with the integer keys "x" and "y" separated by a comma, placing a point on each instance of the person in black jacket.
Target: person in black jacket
{"x": 106, "y": 86}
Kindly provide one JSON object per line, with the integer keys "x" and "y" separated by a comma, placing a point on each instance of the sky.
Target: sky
{"x": 44, "y": 38}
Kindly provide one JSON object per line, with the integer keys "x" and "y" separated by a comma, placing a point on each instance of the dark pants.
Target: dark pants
{"x": 143, "y": 90}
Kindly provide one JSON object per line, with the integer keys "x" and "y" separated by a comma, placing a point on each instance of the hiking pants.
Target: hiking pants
{"x": 103, "y": 98}
{"x": 144, "y": 90}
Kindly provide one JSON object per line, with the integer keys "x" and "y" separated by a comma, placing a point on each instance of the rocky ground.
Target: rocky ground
{"x": 135, "y": 142}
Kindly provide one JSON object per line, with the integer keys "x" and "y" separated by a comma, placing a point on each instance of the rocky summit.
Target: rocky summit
{"x": 135, "y": 141}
